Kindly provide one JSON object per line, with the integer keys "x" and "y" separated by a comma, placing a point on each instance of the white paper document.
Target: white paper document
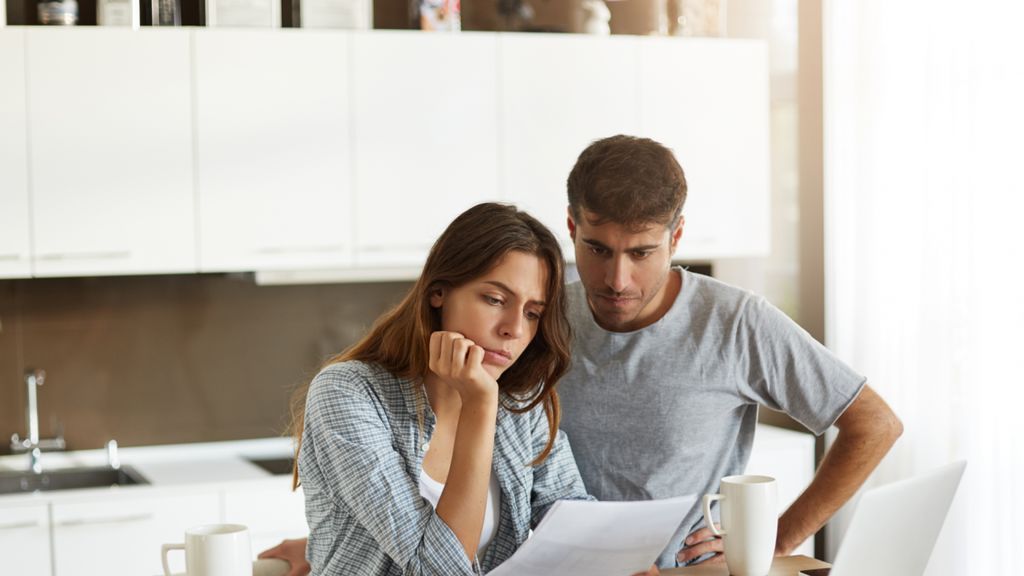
{"x": 580, "y": 538}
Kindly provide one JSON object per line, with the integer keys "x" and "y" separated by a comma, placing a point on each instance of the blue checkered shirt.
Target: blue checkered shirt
{"x": 362, "y": 452}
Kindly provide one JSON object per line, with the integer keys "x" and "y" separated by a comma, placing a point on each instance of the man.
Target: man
{"x": 669, "y": 367}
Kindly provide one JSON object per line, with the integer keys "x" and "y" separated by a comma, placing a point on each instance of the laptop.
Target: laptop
{"x": 894, "y": 527}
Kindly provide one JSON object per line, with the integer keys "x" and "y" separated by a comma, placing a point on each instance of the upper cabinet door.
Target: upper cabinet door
{"x": 425, "y": 138}
{"x": 111, "y": 151}
{"x": 559, "y": 93}
{"x": 708, "y": 100}
{"x": 14, "y": 215}
{"x": 274, "y": 149}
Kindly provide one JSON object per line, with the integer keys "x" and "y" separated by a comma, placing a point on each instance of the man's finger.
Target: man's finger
{"x": 699, "y": 536}
{"x": 699, "y": 549}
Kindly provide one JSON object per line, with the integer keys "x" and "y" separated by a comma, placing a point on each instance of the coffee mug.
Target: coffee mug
{"x": 750, "y": 519}
{"x": 214, "y": 550}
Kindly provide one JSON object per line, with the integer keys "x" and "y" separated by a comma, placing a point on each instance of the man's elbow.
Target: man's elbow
{"x": 886, "y": 428}
{"x": 894, "y": 427}
{"x": 872, "y": 420}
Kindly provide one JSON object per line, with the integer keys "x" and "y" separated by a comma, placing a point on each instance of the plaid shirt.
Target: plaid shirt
{"x": 362, "y": 452}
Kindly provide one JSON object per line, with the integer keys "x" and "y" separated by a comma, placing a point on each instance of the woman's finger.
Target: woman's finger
{"x": 434, "y": 351}
{"x": 445, "y": 364}
{"x": 475, "y": 358}
{"x": 461, "y": 358}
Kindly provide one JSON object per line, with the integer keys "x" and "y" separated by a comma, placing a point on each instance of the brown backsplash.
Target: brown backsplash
{"x": 170, "y": 359}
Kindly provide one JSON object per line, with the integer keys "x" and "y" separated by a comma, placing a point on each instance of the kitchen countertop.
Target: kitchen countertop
{"x": 165, "y": 467}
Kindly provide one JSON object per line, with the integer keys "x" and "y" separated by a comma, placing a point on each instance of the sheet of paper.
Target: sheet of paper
{"x": 579, "y": 538}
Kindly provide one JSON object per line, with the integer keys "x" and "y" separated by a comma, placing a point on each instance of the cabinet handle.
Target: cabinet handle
{"x": 86, "y": 256}
{"x": 379, "y": 248}
{"x": 111, "y": 520}
{"x": 20, "y": 525}
{"x": 6, "y": 257}
{"x": 299, "y": 249}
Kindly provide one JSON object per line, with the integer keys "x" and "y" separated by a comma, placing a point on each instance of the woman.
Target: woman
{"x": 432, "y": 445}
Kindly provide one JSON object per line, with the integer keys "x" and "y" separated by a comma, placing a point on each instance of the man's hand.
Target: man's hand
{"x": 699, "y": 543}
{"x": 293, "y": 552}
{"x": 652, "y": 571}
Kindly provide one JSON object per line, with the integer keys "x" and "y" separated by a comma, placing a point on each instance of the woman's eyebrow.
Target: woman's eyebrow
{"x": 502, "y": 286}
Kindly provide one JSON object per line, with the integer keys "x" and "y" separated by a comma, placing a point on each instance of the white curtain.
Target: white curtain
{"x": 924, "y": 226}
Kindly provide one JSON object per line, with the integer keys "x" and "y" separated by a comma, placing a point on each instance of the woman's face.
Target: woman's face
{"x": 499, "y": 311}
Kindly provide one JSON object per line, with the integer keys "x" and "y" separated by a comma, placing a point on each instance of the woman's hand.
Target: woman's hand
{"x": 293, "y": 552}
{"x": 458, "y": 361}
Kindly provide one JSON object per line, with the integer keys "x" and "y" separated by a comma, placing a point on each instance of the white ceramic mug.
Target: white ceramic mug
{"x": 214, "y": 550}
{"x": 750, "y": 519}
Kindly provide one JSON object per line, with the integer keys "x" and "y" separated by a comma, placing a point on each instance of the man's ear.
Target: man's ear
{"x": 677, "y": 233}
{"x": 437, "y": 297}
{"x": 571, "y": 224}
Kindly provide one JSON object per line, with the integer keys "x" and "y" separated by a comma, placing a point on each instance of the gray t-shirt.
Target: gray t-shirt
{"x": 670, "y": 409}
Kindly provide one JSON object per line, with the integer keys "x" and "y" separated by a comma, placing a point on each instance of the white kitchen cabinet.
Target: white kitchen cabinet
{"x": 25, "y": 539}
{"x": 110, "y": 125}
{"x": 426, "y": 138}
{"x": 559, "y": 93}
{"x": 115, "y": 536}
{"x": 270, "y": 509}
{"x": 273, "y": 149}
{"x": 298, "y": 150}
{"x": 14, "y": 214}
{"x": 708, "y": 100}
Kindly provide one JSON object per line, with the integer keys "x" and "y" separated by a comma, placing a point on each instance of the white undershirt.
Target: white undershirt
{"x": 431, "y": 490}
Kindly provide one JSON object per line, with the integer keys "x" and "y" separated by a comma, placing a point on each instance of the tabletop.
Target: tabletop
{"x": 784, "y": 566}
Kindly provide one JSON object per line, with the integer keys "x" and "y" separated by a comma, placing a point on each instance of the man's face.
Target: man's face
{"x": 624, "y": 271}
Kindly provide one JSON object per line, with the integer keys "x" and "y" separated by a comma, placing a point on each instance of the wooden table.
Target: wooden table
{"x": 787, "y": 566}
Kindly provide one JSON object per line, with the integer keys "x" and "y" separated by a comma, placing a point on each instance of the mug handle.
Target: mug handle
{"x": 708, "y": 499}
{"x": 163, "y": 555}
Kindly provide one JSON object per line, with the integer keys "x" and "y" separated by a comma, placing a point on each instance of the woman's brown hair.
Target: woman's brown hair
{"x": 473, "y": 244}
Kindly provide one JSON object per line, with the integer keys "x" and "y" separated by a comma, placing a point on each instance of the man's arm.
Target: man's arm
{"x": 867, "y": 430}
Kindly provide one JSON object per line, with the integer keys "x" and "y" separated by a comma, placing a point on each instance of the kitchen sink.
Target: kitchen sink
{"x": 68, "y": 479}
{"x": 276, "y": 466}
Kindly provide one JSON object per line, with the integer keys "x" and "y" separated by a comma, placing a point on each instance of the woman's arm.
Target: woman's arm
{"x": 457, "y": 362}
{"x": 348, "y": 454}
{"x": 464, "y": 499}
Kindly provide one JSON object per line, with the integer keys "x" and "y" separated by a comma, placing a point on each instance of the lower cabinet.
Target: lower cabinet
{"x": 121, "y": 535}
{"x": 270, "y": 509}
{"x": 25, "y": 540}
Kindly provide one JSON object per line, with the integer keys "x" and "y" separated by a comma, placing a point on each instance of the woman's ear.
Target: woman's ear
{"x": 436, "y": 297}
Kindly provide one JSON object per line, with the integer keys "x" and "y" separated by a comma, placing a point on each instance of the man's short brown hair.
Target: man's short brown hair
{"x": 628, "y": 180}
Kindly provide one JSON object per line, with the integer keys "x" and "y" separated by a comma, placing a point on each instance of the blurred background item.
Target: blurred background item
{"x": 596, "y": 17}
{"x": 441, "y": 15}
{"x": 58, "y": 12}
{"x": 696, "y": 17}
{"x": 117, "y": 13}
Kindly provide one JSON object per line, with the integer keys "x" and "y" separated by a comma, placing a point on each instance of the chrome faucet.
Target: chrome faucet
{"x": 33, "y": 444}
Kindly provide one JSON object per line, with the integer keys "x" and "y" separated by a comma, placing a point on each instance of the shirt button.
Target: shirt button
{"x": 426, "y": 446}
